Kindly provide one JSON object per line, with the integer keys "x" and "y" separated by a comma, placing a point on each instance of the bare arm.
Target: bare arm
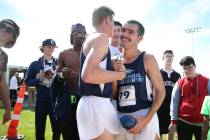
{"x": 205, "y": 113}
{"x": 114, "y": 90}
{"x": 60, "y": 63}
{"x": 4, "y": 91}
{"x": 114, "y": 83}
{"x": 153, "y": 72}
{"x": 117, "y": 65}
{"x": 91, "y": 72}
{"x": 205, "y": 127}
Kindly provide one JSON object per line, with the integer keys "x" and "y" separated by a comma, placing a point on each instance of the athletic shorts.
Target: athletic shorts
{"x": 148, "y": 133}
{"x": 164, "y": 122}
{"x": 94, "y": 115}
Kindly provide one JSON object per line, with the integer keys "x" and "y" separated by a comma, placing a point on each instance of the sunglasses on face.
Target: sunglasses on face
{"x": 7, "y": 29}
{"x": 74, "y": 27}
{"x": 76, "y": 34}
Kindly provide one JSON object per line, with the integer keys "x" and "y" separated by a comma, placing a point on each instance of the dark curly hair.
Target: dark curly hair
{"x": 74, "y": 29}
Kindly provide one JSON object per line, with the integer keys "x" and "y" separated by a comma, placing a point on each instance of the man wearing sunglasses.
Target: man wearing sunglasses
{"x": 9, "y": 31}
{"x": 69, "y": 66}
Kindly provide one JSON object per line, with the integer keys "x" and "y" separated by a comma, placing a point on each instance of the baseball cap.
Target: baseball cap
{"x": 49, "y": 42}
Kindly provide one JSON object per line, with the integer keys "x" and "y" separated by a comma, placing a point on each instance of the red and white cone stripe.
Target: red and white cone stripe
{"x": 12, "y": 130}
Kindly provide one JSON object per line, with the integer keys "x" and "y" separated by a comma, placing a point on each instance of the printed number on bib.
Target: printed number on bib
{"x": 127, "y": 96}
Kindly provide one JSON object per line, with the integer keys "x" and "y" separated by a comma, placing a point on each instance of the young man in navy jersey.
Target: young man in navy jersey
{"x": 96, "y": 116}
{"x": 170, "y": 76}
{"x": 141, "y": 92}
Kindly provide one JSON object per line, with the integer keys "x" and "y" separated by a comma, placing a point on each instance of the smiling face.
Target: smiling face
{"x": 188, "y": 65}
{"x": 130, "y": 36}
{"x": 189, "y": 71}
{"x": 116, "y": 35}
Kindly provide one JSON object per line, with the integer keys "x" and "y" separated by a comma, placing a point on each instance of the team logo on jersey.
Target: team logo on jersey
{"x": 169, "y": 83}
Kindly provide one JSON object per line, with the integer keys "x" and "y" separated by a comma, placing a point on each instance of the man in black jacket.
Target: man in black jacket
{"x": 40, "y": 74}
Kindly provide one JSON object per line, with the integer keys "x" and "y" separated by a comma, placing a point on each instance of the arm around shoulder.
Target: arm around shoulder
{"x": 91, "y": 71}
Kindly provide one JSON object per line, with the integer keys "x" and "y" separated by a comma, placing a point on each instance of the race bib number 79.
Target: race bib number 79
{"x": 127, "y": 96}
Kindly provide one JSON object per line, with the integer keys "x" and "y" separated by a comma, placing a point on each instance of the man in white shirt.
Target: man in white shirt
{"x": 13, "y": 88}
{"x": 115, "y": 41}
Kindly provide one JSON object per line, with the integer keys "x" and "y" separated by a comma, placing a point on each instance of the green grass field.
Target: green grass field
{"x": 26, "y": 125}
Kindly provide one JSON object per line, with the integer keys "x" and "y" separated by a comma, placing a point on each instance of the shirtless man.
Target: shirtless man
{"x": 69, "y": 65}
{"x": 96, "y": 116}
{"x": 9, "y": 32}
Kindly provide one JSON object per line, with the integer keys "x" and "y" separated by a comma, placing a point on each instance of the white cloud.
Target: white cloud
{"x": 191, "y": 13}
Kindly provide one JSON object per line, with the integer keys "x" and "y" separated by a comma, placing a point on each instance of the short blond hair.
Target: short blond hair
{"x": 100, "y": 14}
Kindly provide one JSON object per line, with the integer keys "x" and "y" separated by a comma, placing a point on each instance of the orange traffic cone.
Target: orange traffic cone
{"x": 12, "y": 130}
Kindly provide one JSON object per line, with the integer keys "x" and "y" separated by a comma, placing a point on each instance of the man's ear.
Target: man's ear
{"x": 42, "y": 50}
{"x": 140, "y": 38}
{"x": 108, "y": 20}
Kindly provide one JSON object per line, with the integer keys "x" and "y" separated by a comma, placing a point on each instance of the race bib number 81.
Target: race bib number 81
{"x": 127, "y": 96}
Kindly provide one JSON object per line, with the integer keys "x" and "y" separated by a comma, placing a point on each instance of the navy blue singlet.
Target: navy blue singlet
{"x": 134, "y": 90}
{"x": 87, "y": 89}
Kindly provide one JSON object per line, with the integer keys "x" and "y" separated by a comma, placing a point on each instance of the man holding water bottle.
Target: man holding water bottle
{"x": 141, "y": 92}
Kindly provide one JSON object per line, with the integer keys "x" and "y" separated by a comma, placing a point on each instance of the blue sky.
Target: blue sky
{"x": 164, "y": 21}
